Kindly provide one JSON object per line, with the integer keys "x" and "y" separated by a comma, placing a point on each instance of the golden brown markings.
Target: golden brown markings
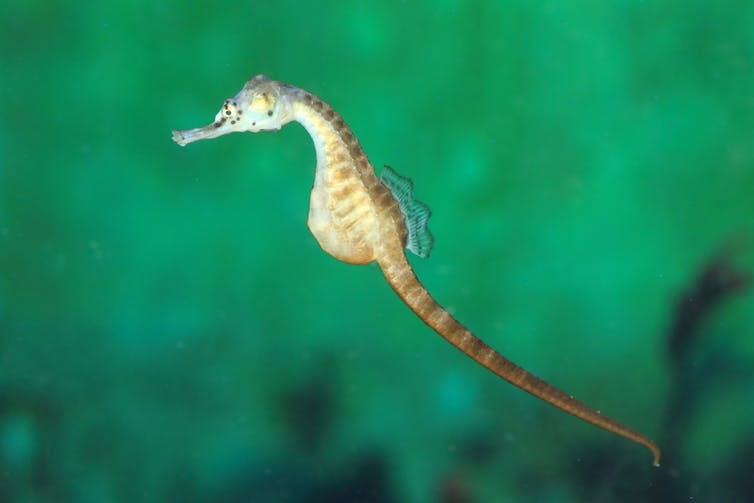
{"x": 438, "y": 318}
{"x": 340, "y": 191}
{"x": 337, "y": 157}
{"x": 354, "y": 207}
{"x": 317, "y": 104}
{"x": 389, "y": 209}
{"x": 356, "y": 219}
{"x": 357, "y": 204}
{"x": 402, "y": 279}
{"x": 353, "y": 147}
{"x": 345, "y": 192}
{"x": 383, "y": 199}
{"x": 349, "y": 179}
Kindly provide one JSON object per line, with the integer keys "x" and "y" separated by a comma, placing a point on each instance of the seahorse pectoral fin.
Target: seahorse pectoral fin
{"x": 415, "y": 213}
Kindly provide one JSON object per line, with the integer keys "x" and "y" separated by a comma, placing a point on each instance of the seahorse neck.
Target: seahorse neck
{"x": 334, "y": 142}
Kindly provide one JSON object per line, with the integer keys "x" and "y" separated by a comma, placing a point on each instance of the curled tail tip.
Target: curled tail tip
{"x": 656, "y": 456}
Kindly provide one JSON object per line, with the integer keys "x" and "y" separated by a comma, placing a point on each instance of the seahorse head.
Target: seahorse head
{"x": 262, "y": 105}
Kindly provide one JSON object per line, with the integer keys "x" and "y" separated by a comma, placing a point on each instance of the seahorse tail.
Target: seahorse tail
{"x": 401, "y": 277}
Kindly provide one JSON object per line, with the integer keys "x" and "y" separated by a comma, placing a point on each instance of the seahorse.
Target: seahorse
{"x": 359, "y": 218}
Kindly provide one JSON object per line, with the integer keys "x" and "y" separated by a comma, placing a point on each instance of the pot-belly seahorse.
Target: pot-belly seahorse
{"x": 358, "y": 218}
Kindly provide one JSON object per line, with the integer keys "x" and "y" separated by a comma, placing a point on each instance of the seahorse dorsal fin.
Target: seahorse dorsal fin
{"x": 415, "y": 212}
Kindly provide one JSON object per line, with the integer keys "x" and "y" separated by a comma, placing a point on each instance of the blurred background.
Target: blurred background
{"x": 170, "y": 330}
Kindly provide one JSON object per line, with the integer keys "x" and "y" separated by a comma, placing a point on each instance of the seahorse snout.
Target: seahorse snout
{"x": 227, "y": 120}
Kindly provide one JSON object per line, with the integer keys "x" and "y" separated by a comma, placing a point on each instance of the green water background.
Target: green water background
{"x": 170, "y": 331}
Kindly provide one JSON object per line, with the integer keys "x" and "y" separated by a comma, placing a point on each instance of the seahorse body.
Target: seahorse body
{"x": 357, "y": 218}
